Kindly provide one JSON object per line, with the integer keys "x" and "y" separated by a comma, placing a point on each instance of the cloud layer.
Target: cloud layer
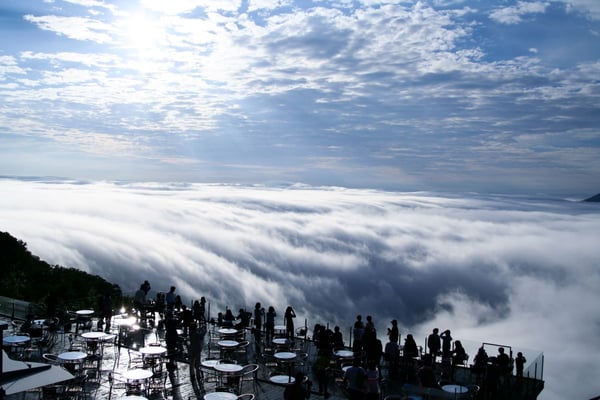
{"x": 508, "y": 270}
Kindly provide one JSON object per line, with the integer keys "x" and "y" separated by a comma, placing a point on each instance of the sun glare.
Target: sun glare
{"x": 143, "y": 33}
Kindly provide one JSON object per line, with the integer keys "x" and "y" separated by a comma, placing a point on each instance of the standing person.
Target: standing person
{"x": 171, "y": 298}
{"x": 289, "y": 322}
{"x": 258, "y": 313}
{"x": 434, "y": 344}
{"x": 356, "y": 380}
{"x": 107, "y": 311}
{"x": 337, "y": 338}
{"x": 202, "y": 320}
{"x": 373, "y": 380}
{"x": 146, "y": 287}
{"x": 195, "y": 349}
{"x": 393, "y": 332}
{"x": 520, "y": 364}
{"x": 139, "y": 299}
{"x": 446, "y": 343}
{"x": 321, "y": 370}
{"x": 270, "y": 324}
{"x": 357, "y": 331}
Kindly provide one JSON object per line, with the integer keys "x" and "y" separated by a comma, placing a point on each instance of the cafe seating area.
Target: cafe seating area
{"x": 131, "y": 360}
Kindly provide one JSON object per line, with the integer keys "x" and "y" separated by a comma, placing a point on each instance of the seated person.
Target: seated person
{"x": 228, "y": 319}
{"x": 244, "y": 318}
{"x": 410, "y": 349}
{"x": 27, "y": 325}
{"x": 459, "y": 355}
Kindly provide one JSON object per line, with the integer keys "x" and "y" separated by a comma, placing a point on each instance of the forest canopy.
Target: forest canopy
{"x": 27, "y": 277}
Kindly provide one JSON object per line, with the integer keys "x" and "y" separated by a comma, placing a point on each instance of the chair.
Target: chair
{"x": 51, "y": 358}
{"x": 53, "y": 392}
{"x": 248, "y": 374}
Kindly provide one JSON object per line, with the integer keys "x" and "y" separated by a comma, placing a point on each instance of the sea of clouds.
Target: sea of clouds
{"x": 502, "y": 269}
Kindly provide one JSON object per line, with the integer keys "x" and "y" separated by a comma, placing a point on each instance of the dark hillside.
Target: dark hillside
{"x": 594, "y": 199}
{"x": 26, "y": 277}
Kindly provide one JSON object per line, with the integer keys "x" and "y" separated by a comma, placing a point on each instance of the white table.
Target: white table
{"x": 137, "y": 374}
{"x": 97, "y": 336}
{"x": 220, "y": 396}
{"x": 281, "y": 341}
{"x": 15, "y": 340}
{"x": 285, "y": 355}
{"x": 228, "y": 343}
{"x": 282, "y": 379}
{"x": 228, "y": 331}
{"x": 344, "y": 353}
{"x": 228, "y": 368}
{"x": 84, "y": 313}
{"x": 279, "y": 329}
{"x": 72, "y": 356}
{"x": 456, "y": 389}
{"x": 153, "y": 351}
{"x": 209, "y": 363}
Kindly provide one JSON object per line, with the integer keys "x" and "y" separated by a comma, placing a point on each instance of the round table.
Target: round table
{"x": 281, "y": 341}
{"x": 153, "y": 350}
{"x": 84, "y": 312}
{"x": 137, "y": 374}
{"x": 228, "y": 343}
{"x": 285, "y": 355}
{"x": 228, "y": 331}
{"x": 209, "y": 363}
{"x": 220, "y": 396}
{"x": 94, "y": 335}
{"x": 282, "y": 379}
{"x": 457, "y": 389}
{"x": 133, "y": 397}
{"x": 344, "y": 353}
{"x": 280, "y": 329}
{"x": 72, "y": 356}
{"x": 228, "y": 368}
{"x": 15, "y": 340}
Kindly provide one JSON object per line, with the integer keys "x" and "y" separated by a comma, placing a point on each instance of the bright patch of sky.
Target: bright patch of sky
{"x": 496, "y": 96}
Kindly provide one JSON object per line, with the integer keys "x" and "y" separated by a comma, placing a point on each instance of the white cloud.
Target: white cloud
{"x": 507, "y": 270}
{"x": 514, "y": 14}
{"x": 77, "y": 28}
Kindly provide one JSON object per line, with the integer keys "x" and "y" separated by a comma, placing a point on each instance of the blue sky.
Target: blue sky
{"x": 434, "y": 95}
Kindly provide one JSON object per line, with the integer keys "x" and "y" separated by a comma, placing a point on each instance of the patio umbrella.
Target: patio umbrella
{"x": 18, "y": 376}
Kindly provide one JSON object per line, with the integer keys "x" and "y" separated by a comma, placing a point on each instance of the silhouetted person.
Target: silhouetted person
{"x": 410, "y": 349}
{"x": 520, "y": 364}
{"x": 393, "y": 332}
{"x": 289, "y": 316}
{"x": 434, "y": 344}
{"x": 270, "y": 324}
{"x": 170, "y": 299}
{"x": 459, "y": 354}
{"x": 503, "y": 362}
{"x": 356, "y": 381}
{"x": 321, "y": 370}
{"x": 373, "y": 379}
{"x": 337, "y": 338}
